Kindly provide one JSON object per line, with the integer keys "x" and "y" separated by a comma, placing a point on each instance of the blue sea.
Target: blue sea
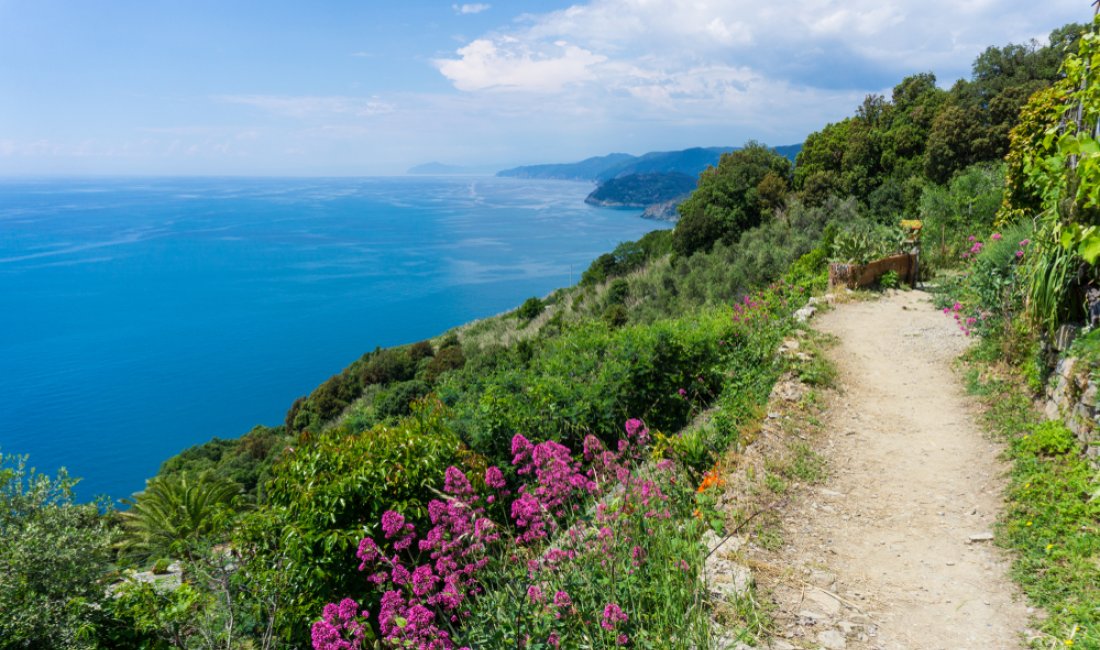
{"x": 143, "y": 316}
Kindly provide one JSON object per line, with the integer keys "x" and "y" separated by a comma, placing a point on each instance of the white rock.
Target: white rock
{"x": 804, "y": 314}
{"x": 822, "y": 602}
{"x": 832, "y": 639}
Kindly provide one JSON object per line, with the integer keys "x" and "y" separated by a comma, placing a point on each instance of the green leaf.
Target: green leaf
{"x": 1089, "y": 248}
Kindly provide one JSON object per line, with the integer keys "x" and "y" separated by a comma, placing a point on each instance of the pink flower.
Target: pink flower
{"x": 1024, "y": 243}
{"x": 996, "y": 236}
{"x": 562, "y": 599}
{"x": 1019, "y": 254}
{"x": 683, "y": 392}
{"x": 494, "y": 478}
{"x": 368, "y": 552}
{"x": 392, "y": 523}
{"x": 534, "y": 594}
{"x": 971, "y": 238}
{"x": 456, "y": 483}
{"x": 612, "y": 616}
{"x": 340, "y": 627}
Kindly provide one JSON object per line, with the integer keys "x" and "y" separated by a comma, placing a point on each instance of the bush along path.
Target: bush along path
{"x": 895, "y": 548}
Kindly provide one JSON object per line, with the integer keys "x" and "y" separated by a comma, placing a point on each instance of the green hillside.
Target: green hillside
{"x": 551, "y": 461}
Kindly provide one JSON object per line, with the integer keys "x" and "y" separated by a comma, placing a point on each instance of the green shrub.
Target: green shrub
{"x": 863, "y": 242}
{"x": 395, "y": 400}
{"x": 617, "y": 292}
{"x": 615, "y": 316}
{"x": 1050, "y": 438}
{"x": 160, "y": 567}
{"x": 53, "y": 558}
{"x": 530, "y": 309}
{"x": 447, "y": 359}
{"x": 331, "y": 492}
{"x": 889, "y": 280}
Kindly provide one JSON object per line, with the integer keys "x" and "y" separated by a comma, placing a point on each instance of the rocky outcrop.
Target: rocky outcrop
{"x": 665, "y": 211}
{"x": 1072, "y": 396}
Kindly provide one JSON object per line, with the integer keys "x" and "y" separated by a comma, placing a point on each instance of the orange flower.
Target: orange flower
{"x": 711, "y": 479}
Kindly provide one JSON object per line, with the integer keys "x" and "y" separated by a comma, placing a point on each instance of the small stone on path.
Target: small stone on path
{"x": 832, "y": 640}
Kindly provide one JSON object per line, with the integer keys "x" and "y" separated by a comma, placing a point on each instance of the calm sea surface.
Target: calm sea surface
{"x": 139, "y": 317}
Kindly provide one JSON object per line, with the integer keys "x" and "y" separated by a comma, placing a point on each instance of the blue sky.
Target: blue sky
{"x": 369, "y": 87}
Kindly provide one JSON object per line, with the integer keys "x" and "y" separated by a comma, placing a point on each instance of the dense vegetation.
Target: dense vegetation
{"x": 642, "y": 190}
{"x": 459, "y": 473}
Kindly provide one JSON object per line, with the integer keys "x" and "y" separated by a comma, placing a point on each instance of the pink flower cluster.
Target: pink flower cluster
{"x": 975, "y": 246}
{"x": 761, "y": 306}
{"x": 419, "y": 605}
{"x": 424, "y": 603}
{"x": 966, "y": 323}
{"x": 342, "y": 626}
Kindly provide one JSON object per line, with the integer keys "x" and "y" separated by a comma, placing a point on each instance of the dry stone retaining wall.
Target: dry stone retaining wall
{"x": 1072, "y": 396}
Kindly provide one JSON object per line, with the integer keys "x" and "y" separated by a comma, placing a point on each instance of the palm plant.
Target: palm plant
{"x": 174, "y": 512}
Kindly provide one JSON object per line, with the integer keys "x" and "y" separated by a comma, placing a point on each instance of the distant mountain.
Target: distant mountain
{"x": 588, "y": 169}
{"x": 689, "y": 161}
{"x": 789, "y": 151}
{"x": 603, "y": 168}
{"x": 657, "y": 181}
{"x": 442, "y": 169}
{"x": 642, "y": 190}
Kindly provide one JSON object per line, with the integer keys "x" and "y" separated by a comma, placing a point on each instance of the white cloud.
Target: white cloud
{"x": 841, "y": 44}
{"x": 510, "y": 64}
{"x": 774, "y": 70}
{"x": 471, "y": 8}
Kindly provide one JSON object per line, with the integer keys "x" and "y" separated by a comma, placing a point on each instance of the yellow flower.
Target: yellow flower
{"x": 1050, "y": 546}
{"x": 1028, "y": 523}
{"x": 1069, "y": 641}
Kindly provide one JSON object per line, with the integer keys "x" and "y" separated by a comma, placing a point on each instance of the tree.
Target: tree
{"x": 728, "y": 201}
{"x": 54, "y": 555}
{"x": 950, "y": 143}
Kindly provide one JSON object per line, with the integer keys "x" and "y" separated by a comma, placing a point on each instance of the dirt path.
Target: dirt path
{"x": 880, "y": 554}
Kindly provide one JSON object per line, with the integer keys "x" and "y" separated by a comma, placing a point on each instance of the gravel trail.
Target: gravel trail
{"x": 891, "y": 550}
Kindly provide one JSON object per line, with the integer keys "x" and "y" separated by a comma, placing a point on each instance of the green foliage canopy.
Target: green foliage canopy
{"x": 54, "y": 554}
{"x": 731, "y": 198}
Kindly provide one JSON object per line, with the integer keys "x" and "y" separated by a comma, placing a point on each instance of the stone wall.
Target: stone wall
{"x": 1072, "y": 396}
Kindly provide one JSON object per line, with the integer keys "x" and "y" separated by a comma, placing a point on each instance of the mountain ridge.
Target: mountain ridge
{"x": 691, "y": 161}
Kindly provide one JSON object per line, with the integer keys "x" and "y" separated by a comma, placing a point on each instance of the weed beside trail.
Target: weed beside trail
{"x": 1052, "y": 517}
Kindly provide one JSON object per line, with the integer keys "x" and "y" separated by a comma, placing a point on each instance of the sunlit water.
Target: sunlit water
{"x": 141, "y": 316}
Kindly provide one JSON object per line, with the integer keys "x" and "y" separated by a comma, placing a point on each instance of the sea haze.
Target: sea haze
{"x": 144, "y": 316}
